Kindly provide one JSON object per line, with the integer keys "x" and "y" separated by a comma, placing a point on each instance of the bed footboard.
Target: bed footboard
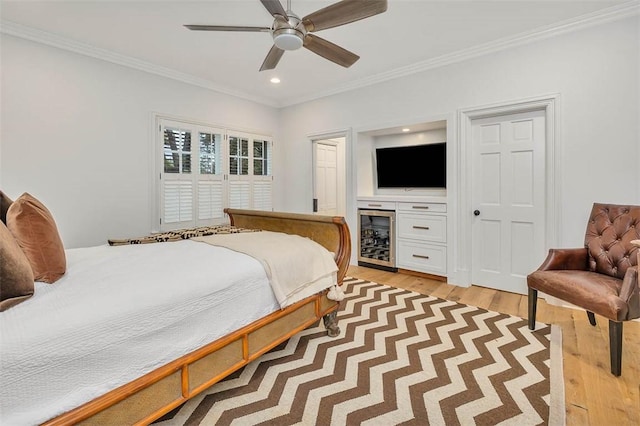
{"x": 331, "y": 232}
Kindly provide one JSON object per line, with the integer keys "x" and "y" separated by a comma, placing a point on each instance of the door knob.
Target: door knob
{"x": 476, "y": 212}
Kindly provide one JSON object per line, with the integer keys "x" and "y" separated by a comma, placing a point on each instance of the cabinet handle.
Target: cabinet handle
{"x": 421, "y": 227}
{"x": 374, "y": 205}
{"x": 420, "y": 207}
{"x": 420, "y": 256}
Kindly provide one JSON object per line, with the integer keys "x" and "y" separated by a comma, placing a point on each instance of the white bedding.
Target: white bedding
{"x": 118, "y": 313}
{"x": 291, "y": 279}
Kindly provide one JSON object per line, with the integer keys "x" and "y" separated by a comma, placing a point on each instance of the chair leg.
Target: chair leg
{"x": 615, "y": 347}
{"x": 533, "y": 303}
{"x": 592, "y": 318}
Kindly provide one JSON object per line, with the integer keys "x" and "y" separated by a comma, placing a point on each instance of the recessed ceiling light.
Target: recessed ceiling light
{"x": 275, "y": 80}
{"x": 406, "y": 129}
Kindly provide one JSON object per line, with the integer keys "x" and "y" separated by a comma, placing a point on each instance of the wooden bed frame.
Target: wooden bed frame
{"x": 149, "y": 397}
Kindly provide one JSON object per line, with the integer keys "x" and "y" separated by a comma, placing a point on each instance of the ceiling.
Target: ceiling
{"x": 411, "y": 35}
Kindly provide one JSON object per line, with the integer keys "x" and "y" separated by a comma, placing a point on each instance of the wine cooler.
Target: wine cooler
{"x": 376, "y": 243}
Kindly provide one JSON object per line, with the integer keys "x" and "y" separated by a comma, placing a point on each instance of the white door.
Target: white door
{"x": 508, "y": 199}
{"x": 326, "y": 178}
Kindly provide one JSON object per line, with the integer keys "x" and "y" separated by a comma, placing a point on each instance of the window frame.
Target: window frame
{"x": 259, "y": 187}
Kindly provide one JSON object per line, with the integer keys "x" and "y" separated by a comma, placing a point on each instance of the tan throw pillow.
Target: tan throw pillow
{"x": 5, "y": 202}
{"x": 16, "y": 277}
{"x": 34, "y": 229}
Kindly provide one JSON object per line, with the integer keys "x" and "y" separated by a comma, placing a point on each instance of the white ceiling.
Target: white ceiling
{"x": 411, "y": 35}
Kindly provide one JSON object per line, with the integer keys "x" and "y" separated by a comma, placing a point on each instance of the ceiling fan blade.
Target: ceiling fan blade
{"x": 330, "y": 51}
{"x": 226, "y": 28}
{"x": 272, "y": 59}
{"x": 274, "y": 7}
{"x": 343, "y": 12}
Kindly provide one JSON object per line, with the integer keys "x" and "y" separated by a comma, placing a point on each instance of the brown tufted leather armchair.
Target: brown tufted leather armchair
{"x": 602, "y": 277}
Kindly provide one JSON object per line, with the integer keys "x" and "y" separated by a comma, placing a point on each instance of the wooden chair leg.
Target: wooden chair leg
{"x": 533, "y": 303}
{"x": 615, "y": 347}
{"x": 592, "y": 318}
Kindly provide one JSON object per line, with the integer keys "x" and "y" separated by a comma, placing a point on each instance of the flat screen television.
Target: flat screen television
{"x": 416, "y": 166}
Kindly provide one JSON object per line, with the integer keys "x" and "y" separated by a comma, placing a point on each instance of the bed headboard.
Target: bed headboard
{"x": 332, "y": 232}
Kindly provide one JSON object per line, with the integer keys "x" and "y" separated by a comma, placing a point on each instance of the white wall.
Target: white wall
{"x": 595, "y": 71}
{"x": 76, "y": 133}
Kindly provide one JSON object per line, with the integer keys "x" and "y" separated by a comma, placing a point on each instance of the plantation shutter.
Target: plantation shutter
{"x": 262, "y": 182}
{"x": 239, "y": 171}
{"x": 210, "y": 204}
{"x": 262, "y": 196}
{"x": 178, "y": 186}
{"x": 239, "y": 194}
{"x": 204, "y": 169}
{"x": 210, "y": 178}
{"x": 178, "y": 205}
{"x": 192, "y": 192}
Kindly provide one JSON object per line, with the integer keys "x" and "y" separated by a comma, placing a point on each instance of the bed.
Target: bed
{"x": 192, "y": 336}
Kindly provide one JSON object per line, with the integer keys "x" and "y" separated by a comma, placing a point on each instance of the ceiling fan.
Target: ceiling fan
{"x": 290, "y": 32}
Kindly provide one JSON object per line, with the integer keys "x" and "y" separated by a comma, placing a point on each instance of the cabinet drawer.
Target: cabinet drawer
{"x": 377, "y": 205}
{"x": 423, "y": 227}
{"x": 422, "y": 257}
{"x": 422, "y": 207}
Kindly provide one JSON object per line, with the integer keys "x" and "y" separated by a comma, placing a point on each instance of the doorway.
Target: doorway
{"x": 508, "y": 199}
{"x": 329, "y": 177}
{"x": 508, "y": 210}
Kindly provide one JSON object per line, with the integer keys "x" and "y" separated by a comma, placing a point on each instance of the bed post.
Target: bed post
{"x": 331, "y": 324}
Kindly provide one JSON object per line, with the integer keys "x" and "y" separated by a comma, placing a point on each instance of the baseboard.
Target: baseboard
{"x": 423, "y": 275}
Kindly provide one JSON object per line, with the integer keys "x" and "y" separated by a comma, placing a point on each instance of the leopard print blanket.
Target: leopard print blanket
{"x": 181, "y": 234}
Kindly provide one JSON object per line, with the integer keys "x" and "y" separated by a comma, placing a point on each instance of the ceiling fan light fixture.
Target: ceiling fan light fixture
{"x": 287, "y": 39}
{"x": 290, "y": 32}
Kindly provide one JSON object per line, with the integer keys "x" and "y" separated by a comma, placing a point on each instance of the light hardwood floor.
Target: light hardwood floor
{"x": 593, "y": 396}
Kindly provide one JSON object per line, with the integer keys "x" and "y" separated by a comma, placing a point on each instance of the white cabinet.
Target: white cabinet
{"x": 422, "y": 237}
{"x": 422, "y": 257}
{"x": 422, "y": 227}
{"x": 377, "y": 205}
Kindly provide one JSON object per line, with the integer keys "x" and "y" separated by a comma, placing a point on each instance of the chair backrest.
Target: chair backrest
{"x": 610, "y": 230}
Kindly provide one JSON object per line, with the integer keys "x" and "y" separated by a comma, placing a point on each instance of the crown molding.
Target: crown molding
{"x": 50, "y": 39}
{"x": 610, "y": 14}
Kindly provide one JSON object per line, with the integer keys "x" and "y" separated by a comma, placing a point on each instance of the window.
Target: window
{"x": 177, "y": 151}
{"x": 238, "y": 156}
{"x": 210, "y": 182}
{"x": 210, "y": 146}
{"x": 178, "y": 190}
{"x": 262, "y": 196}
{"x": 250, "y": 180}
{"x": 261, "y": 160}
{"x": 205, "y": 169}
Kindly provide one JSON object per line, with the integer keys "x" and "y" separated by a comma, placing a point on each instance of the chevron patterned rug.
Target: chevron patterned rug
{"x": 401, "y": 358}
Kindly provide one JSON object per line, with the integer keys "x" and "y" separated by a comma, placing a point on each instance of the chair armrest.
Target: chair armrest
{"x": 630, "y": 292}
{"x": 563, "y": 259}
